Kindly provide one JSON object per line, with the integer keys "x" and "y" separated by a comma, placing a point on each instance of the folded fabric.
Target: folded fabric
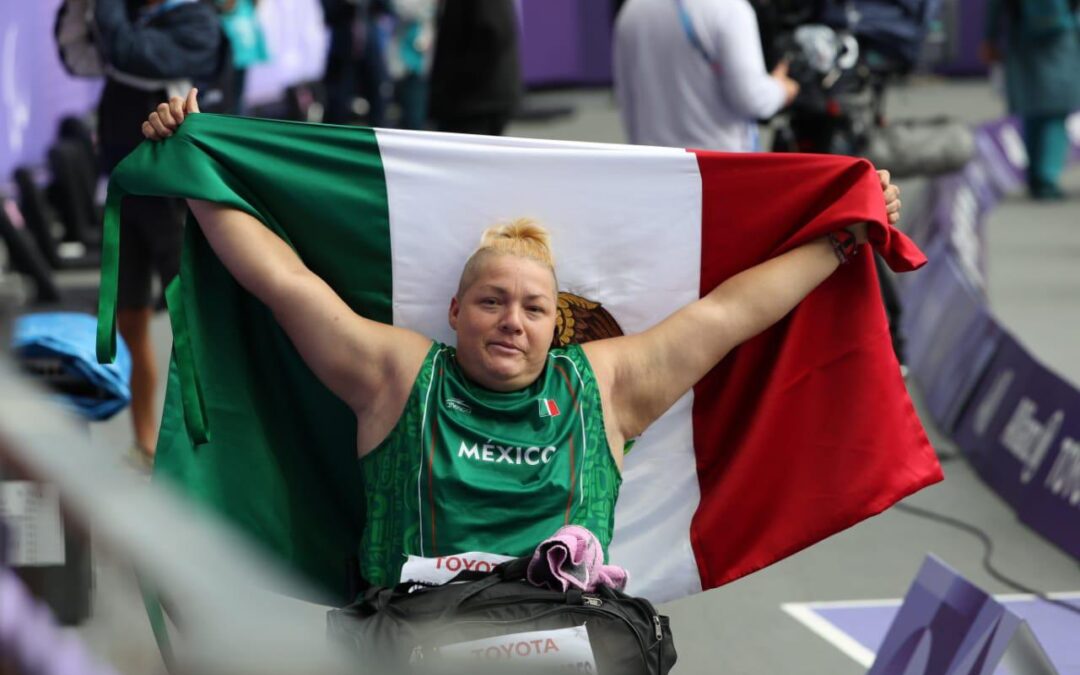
{"x": 58, "y": 349}
{"x": 573, "y": 558}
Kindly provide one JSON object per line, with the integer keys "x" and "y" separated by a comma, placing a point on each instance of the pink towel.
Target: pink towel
{"x": 573, "y": 558}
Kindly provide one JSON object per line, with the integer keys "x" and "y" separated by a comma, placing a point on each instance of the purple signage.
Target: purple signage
{"x": 1017, "y": 421}
{"x": 1052, "y": 501}
{"x": 962, "y": 210}
{"x": 35, "y": 91}
{"x": 960, "y": 203}
{"x": 951, "y": 335}
{"x": 1004, "y": 431}
{"x": 1022, "y": 432}
{"x": 859, "y": 628}
{"x": 946, "y": 626}
{"x": 1000, "y": 148}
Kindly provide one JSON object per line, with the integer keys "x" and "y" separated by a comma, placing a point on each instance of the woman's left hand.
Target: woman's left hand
{"x": 892, "y": 197}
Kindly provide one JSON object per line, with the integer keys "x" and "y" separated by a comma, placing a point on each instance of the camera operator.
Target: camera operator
{"x": 691, "y": 73}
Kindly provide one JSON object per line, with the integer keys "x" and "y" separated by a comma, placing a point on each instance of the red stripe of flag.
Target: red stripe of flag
{"x": 806, "y": 429}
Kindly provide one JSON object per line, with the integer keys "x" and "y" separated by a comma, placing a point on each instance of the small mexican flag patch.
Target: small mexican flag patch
{"x": 548, "y": 407}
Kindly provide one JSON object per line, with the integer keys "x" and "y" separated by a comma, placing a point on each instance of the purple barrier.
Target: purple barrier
{"x": 566, "y": 41}
{"x": 1020, "y": 430}
{"x": 946, "y": 626}
{"x": 951, "y": 335}
{"x": 867, "y": 623}
{"x": 30, "y": 638}
{"x": 1001, "y": 150}
{"x": 965, "y": 199}
{"x": 961, "y": 201}
{"x": 1016, "y": 420}
{"x": 35, "y": 91}
{"x": 1051, "y": 504}
{"x": 1012, "y": 427}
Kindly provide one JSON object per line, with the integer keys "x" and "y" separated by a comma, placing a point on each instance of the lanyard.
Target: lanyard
{"x": 692, "y": 36}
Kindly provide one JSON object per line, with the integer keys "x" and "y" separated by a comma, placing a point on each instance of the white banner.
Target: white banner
{"x": 442, "y": 569}
{"x": 565, "y": 649}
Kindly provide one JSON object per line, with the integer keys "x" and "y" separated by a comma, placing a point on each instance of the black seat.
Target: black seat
{"x": 72, "y": 192}
{"x": 45, "y": 226}
{"x": 24, "y": 255}
{"x": 75, "y": 129}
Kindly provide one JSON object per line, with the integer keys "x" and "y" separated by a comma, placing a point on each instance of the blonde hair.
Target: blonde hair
{"x": 521, "y": 237}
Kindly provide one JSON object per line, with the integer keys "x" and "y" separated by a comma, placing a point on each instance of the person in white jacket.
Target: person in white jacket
{"x": 691, "y": 73}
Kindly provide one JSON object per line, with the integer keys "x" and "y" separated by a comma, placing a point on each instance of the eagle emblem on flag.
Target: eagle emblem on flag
{"x": 580, "y": 320}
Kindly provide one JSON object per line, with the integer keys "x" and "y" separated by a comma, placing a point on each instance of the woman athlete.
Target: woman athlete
{"x": 517, "y": 438}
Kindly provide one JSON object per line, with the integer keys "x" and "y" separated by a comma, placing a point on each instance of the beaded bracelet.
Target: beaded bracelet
{"x": 844, "y": 245}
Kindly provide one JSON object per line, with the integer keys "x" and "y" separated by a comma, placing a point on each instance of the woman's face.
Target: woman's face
{"x": 504, "y": 322}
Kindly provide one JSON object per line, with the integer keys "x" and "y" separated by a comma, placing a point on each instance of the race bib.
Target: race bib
{"x": 566, "y": 650}
{"x": 444, "y": 568}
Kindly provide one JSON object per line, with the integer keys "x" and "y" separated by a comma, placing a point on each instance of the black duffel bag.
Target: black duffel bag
{"x": 498, "y": 622}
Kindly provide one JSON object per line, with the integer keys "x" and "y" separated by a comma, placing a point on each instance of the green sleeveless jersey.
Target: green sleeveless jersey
{"x": 468, "y": 469}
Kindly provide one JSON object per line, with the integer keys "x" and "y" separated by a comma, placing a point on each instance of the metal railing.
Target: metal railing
{"x": 213, "y": 582}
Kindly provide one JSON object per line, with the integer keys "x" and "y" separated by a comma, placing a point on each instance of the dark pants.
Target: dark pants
{"x": 1047, "y": 142}
{"x": 492, "y": 124}
{"x": 355, "y": 67}
{"x": 151, "y": 235}
{"x": 411, "y": 92}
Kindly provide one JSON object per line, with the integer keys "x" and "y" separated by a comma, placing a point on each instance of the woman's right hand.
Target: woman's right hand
{"x": 168, "y": 116}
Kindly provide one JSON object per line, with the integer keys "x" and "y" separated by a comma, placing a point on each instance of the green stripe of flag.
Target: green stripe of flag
{"x": 295, "y": 487}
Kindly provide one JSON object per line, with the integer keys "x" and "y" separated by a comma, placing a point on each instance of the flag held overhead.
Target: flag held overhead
{"x": 750, "y": 466}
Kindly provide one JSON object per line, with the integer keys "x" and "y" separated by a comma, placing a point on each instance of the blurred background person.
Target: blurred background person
{"x": 409, "y": 59}
{"x": 153, "y": 49}
{"x": 246, "y": 41}
{"x": 691, "y": 73}
{"x": 356, "y": 81}
{"x": 476, "y": 73}
{"x": 1039, "y": 43}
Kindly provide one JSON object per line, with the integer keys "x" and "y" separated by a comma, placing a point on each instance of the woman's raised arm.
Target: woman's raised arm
{"x": 643, "y": 375}
{"x": 356, "y": 358}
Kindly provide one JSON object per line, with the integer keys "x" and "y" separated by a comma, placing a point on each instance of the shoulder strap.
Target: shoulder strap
{"x": 692, "y": 36}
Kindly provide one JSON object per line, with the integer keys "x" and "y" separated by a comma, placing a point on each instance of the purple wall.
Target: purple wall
{"x": 566, "y": 41}
{"x": 964, "y": 21}
{"x": 35, "y": 92}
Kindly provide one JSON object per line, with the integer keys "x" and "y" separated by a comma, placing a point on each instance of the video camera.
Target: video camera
{"x": 844, "y": 54}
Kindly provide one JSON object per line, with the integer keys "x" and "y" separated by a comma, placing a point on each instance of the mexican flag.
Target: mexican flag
{"x": 800, "y": 433}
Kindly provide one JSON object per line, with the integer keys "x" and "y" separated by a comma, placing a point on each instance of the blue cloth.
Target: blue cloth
{"x": 70, "y": 337}
{"x": 245, "y": 34}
